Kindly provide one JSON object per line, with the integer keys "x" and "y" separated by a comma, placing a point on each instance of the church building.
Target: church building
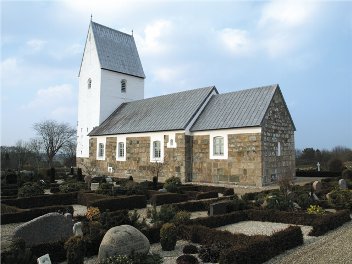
{"x": 202, "y": 136}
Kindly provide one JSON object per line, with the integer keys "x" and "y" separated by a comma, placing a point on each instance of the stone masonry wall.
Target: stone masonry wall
{"x": 277, "y": 127}
{"x": 137, "y": 162}
{"x": 243, "y": 165}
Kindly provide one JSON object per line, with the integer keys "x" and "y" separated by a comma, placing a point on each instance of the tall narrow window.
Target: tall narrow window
{"x": 89, "y": 83}
{"x": 123, "y": 85}
{"x": 218, "y": 146}
{"x": 121, "y": 150}
{"x": 156, "y": 149}
{"x": 101, "y": 150}
{"x": 278, "y": 149}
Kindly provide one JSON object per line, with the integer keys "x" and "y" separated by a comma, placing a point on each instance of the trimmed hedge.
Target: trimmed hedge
{"x": 9, "y": 192}
{"x": 167, "y": 198}
{"x": 207, "y": 195}
{"x": 328, "y": 222}
{"x": 43, "y": 200}
{"x": 152, "y": 233}
{"x": 200, "y": 205}
{"x": 84, "y": 198}
{"x": 314, "y": 173}
{"x": 29, "y": 214}
{"x": 221, "y": 220}
{"x": 119, "y": 203}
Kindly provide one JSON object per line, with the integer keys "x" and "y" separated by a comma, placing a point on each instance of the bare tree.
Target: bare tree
{"x": 35, "y": 146}
{"x": 54, "y": 136}
{"x": 69, "y": 152}
{"x": 90, "y": 167}
{"x": 22, "y": 154}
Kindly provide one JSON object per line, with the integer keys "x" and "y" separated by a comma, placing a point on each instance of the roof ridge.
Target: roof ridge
{"x": 118, "y": 31}
{"x": 250, "y": 89}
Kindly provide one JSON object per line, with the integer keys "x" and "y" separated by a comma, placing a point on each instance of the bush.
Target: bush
{"x": 335, "y": 165}
{"x": 119, "y": 203}
{"x": 229, "y": 191}
{"x": 134, "y": 188}
{"x": 206, "y": 195}
{"x": 115, "y": 218}
{"x": 118, "y": 259}
{"x": 181, "y": 218}
{"x": 341, "y": 199}
{"x": 93, "y": 235}
{"x": 72, "y": 187}
{"x": 172, "y": 184}
{"x": 190, "y": 249}
{"x": 105, "y": 188}
{"x": 173, "y": 179}
{"x": 278, "y": 202}
{"x": 166, "y": 214}
{"x": 30, "y": 189}
{"x": 347, "y": 174}
{"x": 187, "y": 259}
{"x": 325, "y": 223}
{"x": 76, "y": 249}
{"x": 167, "y": 198}
{"x": 168, "y": 237}
{"x": 16, "y": 252}
{"x": 211, "y": 253}
{"x": 56, "y": 250}
{"x": 85, "y": 198}
{"x": 7, "y": 209}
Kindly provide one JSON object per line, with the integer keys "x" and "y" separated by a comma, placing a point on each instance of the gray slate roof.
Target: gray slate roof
{"x": 117, "y": 51}
{"x": 161, "y": 113}
{"x": 244, "y": 108}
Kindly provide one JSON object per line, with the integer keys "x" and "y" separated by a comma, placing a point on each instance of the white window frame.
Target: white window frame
{"x": 212, "y": 137}
{"x": 101, "y": 142}
{"x": 121, "y": 140}
{"x": 153, "y": 138}
{"x": 218, "y": 146}
{"x": 156, "y": 149}
{"x": 123, "y": 86}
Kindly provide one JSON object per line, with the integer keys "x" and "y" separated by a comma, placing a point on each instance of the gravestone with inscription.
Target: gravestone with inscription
{"x": 94, "y": 186}
{"x": 123, "y": 240}
{"x": 219, "y": 208}
{"x": 342, "y": 184}
{"x": 45, "y": 259}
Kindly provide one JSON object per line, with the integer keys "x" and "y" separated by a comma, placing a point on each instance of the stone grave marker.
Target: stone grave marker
{"x": 45, "y": 259}
{"x": 342, "y": 184}
{"x": 123, "y": 240}
{"x": 77, "y": 229}
{"x": 317, "y": 186}
{"x": 94, "y": 186}
{"x": 51, "y": 227}
{"x": 219, "y": 208}
{"x": 108, "y": 180}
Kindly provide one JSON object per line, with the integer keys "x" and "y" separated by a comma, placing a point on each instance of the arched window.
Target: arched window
{"x": 218, "y": 146}
{"x": 156, "y": 149}
{"x": 89, "y": 83}
{"x": 123, "y": 86}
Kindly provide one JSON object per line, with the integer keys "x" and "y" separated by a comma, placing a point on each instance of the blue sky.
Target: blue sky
{"x": 306, "y": 47}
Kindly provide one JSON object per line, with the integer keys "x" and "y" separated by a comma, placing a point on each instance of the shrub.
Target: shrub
{"x": 30, "y": 189}
{"x": 168, "y": 237}
{"x": 85, "y": 198}
{"x": 76, "y": 249}
{"x": 93, "y": 237}
{"x": 56, "y": 250}
{"x": 190, "y": 249}
{"x": 187, "y": 259}
{"x": 134, "y": 188}
{"x": 72, "y": 187}
{"x": 182, "y": 218}
{"x": 211, "y": 253}
{"x": 325, "y": 223}
{"x": 228, "y": 191}
{"x": 173, "y": 179}
{"x": 278, "y": 202}
{"x": 315, "y": 209}
{"x": 93, "y": 213}
{"x": 7, "y": 209}
{"x": 115, "y": 218}
{"x": 206, "y": 195}
{"x": 341, "y": 199}
{"x": 167, "y": 198}
{"x": 172, "y": 184}
{"x": 347, "y": 174}
{"x": 16, "y": 252}
{"x": 302, "y": 199}
{"x": 335, "y": 165}
{"x": 105, "y": 188}
{"x": 166, "y": 214}
{"x": 79, "y": 174}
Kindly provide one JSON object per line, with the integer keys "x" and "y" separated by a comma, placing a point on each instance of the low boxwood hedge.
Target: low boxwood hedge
{"x": 85, "y": 198}
{"x": 207, "y": 195}
{"x": 29, "y": 214}
{"x": 119, "y": 203}
{"x": 167, "y": 198}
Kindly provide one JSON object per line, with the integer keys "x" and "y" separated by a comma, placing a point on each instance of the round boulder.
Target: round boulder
{"x": 317, "y": 186}
{"x": 122, "y": 240}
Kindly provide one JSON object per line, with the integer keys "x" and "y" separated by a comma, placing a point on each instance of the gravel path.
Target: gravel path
{"x": 334, "y": 247}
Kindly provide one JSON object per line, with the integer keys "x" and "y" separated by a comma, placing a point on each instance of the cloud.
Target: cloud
{"x": 63, "y": 112}
{"x": 235, "y": 41}
{"x": 71, "y": 50}
{"x": 155, "y": 37}
{"x": 36, "y": 44}
{"x": 52, "y": 96}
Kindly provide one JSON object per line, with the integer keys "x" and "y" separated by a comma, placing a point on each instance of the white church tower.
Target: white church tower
{"x": 111, "y": 73}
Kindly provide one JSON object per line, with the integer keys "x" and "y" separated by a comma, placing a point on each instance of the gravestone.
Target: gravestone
{"x": 45, "y": 259}
{"x": 108, "y": 180}
{"x": 342, "y": 184}
{"x": 123, "y": 240}
{"x": 94, "y": 186}
{"x": 317, "y": 186}
{"x": 162, "y": 190}
{"x": 51, "y": 227}
{"x": 77, "y": 229}
{"x": 219, "y": 208}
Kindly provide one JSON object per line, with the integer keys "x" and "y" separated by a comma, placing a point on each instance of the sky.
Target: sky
{"x": 305, "y": 47}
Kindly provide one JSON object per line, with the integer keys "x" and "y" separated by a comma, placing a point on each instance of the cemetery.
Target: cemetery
{"x": 117, "y": 220}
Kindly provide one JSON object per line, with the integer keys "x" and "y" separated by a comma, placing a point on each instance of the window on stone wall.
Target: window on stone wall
{"x": 218, "y": 146}
{"x": 101, "y": 150}
{"x": 123, "y": 86}
{"x": 156, "y": 149}
{"x": 171, "y": 142}
{"x": 121, "y": 149}
{"x": 278, "y": 151}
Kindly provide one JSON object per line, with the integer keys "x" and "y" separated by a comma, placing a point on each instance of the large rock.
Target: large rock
{"x": 47, "y": 228}
{"x": 122, "y": 240}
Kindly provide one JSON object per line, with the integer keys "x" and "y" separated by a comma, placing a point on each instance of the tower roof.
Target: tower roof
{"x": 117, "y": 51}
